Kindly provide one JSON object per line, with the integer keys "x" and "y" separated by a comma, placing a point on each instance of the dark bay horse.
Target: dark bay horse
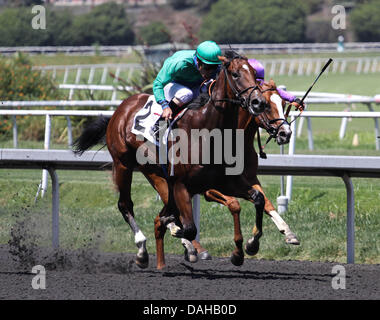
{"x": 235, "y": 88}
{"x": 274, "y": 122}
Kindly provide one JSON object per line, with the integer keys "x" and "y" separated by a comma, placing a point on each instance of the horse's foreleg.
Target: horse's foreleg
{"x": 189, "y": 231}
{"x": 123, "y": 179}
{"x": 237, "y": 257}
{"x": 253, "y": 244}
{"x": 159, "y": 233}
{"x": 282, "y": 226}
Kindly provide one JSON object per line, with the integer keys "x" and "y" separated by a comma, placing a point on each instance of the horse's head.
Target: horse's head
{"x": 273, "y": 119}
{"x": 240, "y": 79}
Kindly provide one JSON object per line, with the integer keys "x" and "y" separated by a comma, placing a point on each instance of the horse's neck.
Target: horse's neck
{"x": 221, "y": 114}
{"x": 249, "y": 135}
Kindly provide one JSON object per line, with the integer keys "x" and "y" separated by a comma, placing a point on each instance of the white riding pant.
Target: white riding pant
{"x": 182, "y": 93}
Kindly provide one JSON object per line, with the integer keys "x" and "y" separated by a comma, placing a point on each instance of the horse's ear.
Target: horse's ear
{"x": 272, "y": 83}
{"x": 223, "y": 59}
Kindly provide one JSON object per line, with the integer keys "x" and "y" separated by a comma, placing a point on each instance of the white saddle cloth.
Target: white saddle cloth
{"x": 146, "y": 118}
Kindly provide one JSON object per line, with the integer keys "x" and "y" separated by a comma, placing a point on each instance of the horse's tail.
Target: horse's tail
{"x": 93, "y": 134}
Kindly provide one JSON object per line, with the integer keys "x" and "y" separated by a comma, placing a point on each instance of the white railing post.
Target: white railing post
{"x": 282, "y": 200}
{"x": 350, "y": 219}
{"x": 15, "y": 133}
{"x": 292, "y": 147}
{"x": 377, "y": 133}
{"x": 343, "y": 125}
{"x": 44, "y": 181}
{"x": 55, "y": 208}
{"x": 310, "y": 134}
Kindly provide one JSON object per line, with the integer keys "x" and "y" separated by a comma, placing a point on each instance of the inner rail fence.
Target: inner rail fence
{"x": 315, "y": 98}
{"x": 101, "y": 73}
{"x": 248, "y": 48}
{"x": 302, "y": 165}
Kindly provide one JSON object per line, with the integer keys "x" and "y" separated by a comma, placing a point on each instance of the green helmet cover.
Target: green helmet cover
{"x": 208, "y": 52}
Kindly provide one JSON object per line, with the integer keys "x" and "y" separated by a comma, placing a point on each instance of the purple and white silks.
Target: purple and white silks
{"x": 260, "y": 73}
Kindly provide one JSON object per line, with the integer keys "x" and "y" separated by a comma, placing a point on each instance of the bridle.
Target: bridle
{"x": 238, "y": 98}
{"x": 268, "y": 126}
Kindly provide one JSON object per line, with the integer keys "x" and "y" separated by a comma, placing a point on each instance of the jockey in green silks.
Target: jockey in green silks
{"x": 180, "y": 78}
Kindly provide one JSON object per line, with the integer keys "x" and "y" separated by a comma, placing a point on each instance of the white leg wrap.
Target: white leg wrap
{"x": 279, "y": 222}
{"x": 139, "y": 238}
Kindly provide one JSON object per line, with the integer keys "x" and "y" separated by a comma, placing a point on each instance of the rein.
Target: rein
{"x": 241, "y": 101}
{"x": 266, "y": 123}
{"x": 273, "y": 132}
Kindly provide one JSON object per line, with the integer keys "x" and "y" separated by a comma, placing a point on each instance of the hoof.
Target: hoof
{"x": 237, "y": 260}
{"x": 291, "y": 238}
{"x": 160, "y": 267}
{"x": 143, "y": 261}
{"x": 252, "y": 247}
{"x": 204, "y": 255}
{"x": 191, "y": 257}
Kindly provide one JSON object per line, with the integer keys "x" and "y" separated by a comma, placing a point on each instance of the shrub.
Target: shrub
{"x": 365, "y": 21}
{"x": 16, "y": 29}
{"x": 255, "y": 21}
{"x": 18, "y": 81}
{"x": 106, "y": 24}
{"x": 154, "y": 33}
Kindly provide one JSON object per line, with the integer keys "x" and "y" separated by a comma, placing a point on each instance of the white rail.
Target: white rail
{"x": 246, "y": 48}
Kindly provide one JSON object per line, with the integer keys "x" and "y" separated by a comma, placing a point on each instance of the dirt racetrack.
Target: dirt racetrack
{"x": 88, "y": 274}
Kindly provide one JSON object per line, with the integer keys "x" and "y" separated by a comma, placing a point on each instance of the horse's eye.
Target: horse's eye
{"x": 235, "y": 75}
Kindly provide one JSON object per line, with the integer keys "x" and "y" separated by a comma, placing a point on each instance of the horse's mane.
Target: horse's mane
{"x": 231, "y": 55}
{"x": 269, "y": 84}
{"x": 199, "y": 101}
{"x": 203, "y": 98}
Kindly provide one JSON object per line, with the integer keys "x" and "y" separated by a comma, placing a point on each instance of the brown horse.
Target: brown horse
{"x": 235, "y": 88}
{"x": 274, "y": 122}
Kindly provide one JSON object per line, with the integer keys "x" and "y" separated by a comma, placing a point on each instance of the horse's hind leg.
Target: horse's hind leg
{"x": 123, "y": 179}
{"x": 282, "y": 226}
{"x": 237, "y": 257}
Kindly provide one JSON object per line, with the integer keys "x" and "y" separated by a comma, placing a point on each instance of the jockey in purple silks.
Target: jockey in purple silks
{"x": 260, "y": 72}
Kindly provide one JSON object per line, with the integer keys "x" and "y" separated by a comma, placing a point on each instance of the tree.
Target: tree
{"x": 106, "y": 24}
{"x": 255, "y": 21}
{"x": 154, "y": 33}
{"x": 16, "y": 29}
{"x": 22, "y": 3}
{"x": 180, "y": 4}
{"x": 365, "y": 21}
{"x": 204, "y": 5}
{"x": 59, "y": 25}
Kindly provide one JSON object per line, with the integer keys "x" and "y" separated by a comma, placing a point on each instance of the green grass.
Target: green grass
{"x": 62, "y": 59}
{"x": 89, "y": 216}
